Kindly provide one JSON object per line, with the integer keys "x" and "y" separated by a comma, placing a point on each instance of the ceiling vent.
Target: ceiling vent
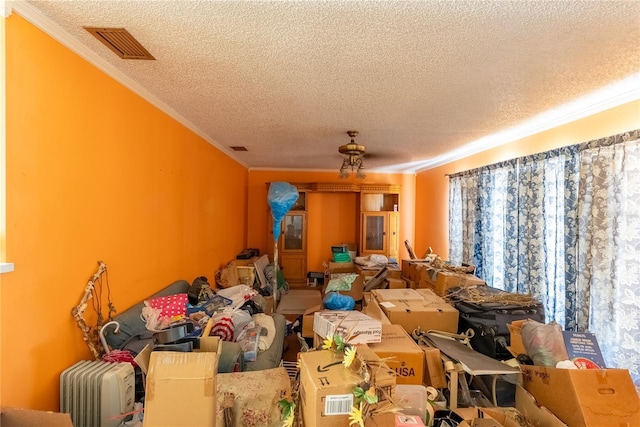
{"x": 120, "y": 42}
{"x": 239, "y": 148}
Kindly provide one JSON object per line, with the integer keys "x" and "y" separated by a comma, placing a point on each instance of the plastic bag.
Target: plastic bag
{"x": 237, "y": 294}
{"x": 544, "y": 343}
{"x": 136, "y": 421}
{"x": 335, "y": 301}
{"x": 282, "y": 196}
{"x": 241, "y": 320}
{"x": 249, "y": 340}
{"x": 342, "y": 283}
{"x": 379, "y": 259}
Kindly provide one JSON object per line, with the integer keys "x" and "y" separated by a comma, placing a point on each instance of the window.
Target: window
{"x": 563, "y": 225}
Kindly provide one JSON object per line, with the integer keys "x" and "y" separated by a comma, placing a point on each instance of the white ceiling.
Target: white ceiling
{"x": 418, "y": 79}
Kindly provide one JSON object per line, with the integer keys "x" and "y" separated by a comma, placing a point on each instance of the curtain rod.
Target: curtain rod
{"x": 488, "y": 167}
{"x": 611, "y": 140}
{"x": 595, "y": 143}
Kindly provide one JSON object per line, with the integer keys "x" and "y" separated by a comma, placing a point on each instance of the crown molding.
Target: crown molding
{"x": 381, "y": 171}
{"x": 7, "y": 8}
{"x": 614, "y": 95}
{"x": 345, "y": 187}
{"x": 38, "y": 19}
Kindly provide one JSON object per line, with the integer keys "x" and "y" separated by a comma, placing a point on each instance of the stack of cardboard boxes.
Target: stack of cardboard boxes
{"x": 547, "y": 397}
{"x": 417, "y": 309}
{"x": 326, "y": 386}
{"x": 181, "y": 387}
{"x": 341, "y": 269}
{"x": 421, "y": 274}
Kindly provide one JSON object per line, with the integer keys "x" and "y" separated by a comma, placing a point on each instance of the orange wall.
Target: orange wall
{"x": 94, "y": 172}
{"x": 332, "y": 221}
{"x": 331, "y": 217}
{"x": 432, "y": 186}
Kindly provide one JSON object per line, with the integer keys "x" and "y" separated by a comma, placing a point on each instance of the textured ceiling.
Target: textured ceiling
{"x": 287, "y": 79}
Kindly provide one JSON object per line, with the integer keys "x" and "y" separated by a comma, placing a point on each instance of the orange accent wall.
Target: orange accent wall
{"x": 432, "y": 186}
{"x": 332, "y": 217}
{"x": 94, "y": 172}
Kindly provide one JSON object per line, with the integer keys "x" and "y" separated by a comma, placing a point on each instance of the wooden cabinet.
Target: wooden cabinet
{"x": 376, "y": 217}
{"x": 379, "y": 224}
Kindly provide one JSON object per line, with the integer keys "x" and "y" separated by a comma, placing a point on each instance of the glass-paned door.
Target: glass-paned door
{"x": 374, "y": 235}
{"x": 293, "y": 228}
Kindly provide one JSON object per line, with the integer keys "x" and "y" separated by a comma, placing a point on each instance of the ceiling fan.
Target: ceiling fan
{"x": 353, "y": 157}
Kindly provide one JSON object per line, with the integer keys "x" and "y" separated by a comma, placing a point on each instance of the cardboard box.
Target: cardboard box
{"x": 414, "y": 311}
{"x": 526, "y": 412}
{"x": 381, "y": 420}
{"x": 393, "y": 272}
{"x": 489, "y": 417}
{"x": 181, "y": 387}
{"x": 341, "y": 267}
{"x": 357, "y": 286}
{"x": 14, "y": 417}
{"x": 396, "y": 283}
{"x": 207, "y": 344}
{"x": 396, "y": 294}
{"x": 238, "y": 272}
{"x": 442, "y": 280}
{"x": 516, "y": 346}
{"x": 307, "y": 321}
{"x": 355, "y": 327}
{"x": 326, "y": 387}
{"x": 405, "y": 357}
{"x": 411, "y": 268}
{"x": 539, "y": 416}
{"x": 497, "y": 417}
{"x": 585, "y": 397}
{"x": 372, "y": 309}
{"x": 411, "y": 284}
{"x": 433, "y": 368}
{"x": 254, "y": 392}
{"x": 430, "y": 295}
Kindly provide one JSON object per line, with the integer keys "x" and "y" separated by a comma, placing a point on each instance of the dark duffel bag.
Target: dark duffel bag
{"x": 487, "y": 311}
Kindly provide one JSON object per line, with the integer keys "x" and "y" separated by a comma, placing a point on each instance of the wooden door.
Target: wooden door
{"x": 292, "y": 247}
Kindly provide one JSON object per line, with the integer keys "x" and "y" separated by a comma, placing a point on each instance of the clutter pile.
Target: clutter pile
{"x": 182, "y": 341}
{"x": 470, "y": 355}
{"x": 426, "y": 345}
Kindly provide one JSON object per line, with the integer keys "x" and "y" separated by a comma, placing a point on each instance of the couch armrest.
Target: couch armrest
{"x": 271, "y": 358}
{"x": 130, "y": 322}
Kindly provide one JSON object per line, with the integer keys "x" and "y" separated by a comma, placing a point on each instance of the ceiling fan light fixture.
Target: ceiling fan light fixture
{"x": 353, "y": 157}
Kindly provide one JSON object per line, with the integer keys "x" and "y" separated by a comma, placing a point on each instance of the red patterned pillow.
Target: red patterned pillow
{"x": 171, "y": 305}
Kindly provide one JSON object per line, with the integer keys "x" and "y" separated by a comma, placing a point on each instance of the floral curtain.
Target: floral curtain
{"x": 463, "y": 202}
{"x": 609, "y": 248}
{"x": 476, "y": 215}
{"x": 563, "y": 225}
{"x": 493, "y": 228}
{"x": 547, "y": 227}
{"x": 513, "y": 216}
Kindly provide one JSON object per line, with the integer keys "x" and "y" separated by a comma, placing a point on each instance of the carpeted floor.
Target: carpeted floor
{"x": 296, "y": 301}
